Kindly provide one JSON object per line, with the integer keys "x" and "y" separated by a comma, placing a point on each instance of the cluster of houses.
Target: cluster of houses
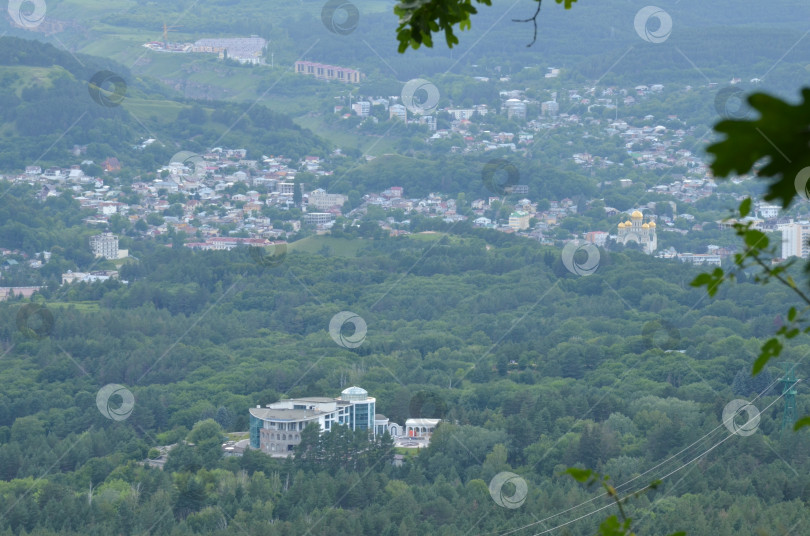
{"x": 9, "y": 260}
{"x": 208, "y": 202}
{"x": 648, "y": 145}
{"x": 201, "y": 194}
{"x": 205, "y": 182}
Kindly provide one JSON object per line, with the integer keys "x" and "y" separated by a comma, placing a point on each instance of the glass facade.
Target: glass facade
{"x": 362, "y": 416}
{"x": 274, "y": 433}
{"x": 255, "y": 427}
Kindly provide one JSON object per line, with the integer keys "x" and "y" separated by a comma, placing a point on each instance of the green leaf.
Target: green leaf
{"x": 611, "y": 527}
{"x": 679, "y": 533}
{"x": 701, "y": 279}
{"x": 745, "y": 207}
{"x": 779, "y": 137}
{"x": 419, "y": 19}
{"x": 756, "y": 240}
{"x": 792, "y": 333}
{"x": 710, "y": 280}
{"x": 580, "y": 475}
{"x": 772, "y": 348}
{"x": 801, "y": 423}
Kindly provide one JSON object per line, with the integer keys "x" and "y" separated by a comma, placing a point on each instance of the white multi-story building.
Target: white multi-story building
{"x": 398, "y": 111}
{"x": 519, "y": 220}
{"x": 796, "y": 240}
{"x": 460, "y": 114}
{"x": 321, "y": 200}
{"x": 769, "y": 211}
{"x": 362, "y": 108}
{"x": 551, "y": 108}
{"x": 104, "y": 245}
{"x": 318, "y": 218}
{"x": 287, "y": 188}
{"x": 710, "y": 259}
{"x": 515, "y": 109}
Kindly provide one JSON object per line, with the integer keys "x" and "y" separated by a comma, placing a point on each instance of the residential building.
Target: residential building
{"x": 598, "y": 238}
{"x": 769, "y": 211}
{"x": 521, "y": 189}
{"x": 394, "y": 192}
{"x": 428, "y": 120}
{"x": 515, "y": 109}
{"x": 327, "y": 72}
{"x": 550, "y": 108}
{"x": 287, "y": 188}
{"x": 321, "y": 200}
{"x": 398, "y": 111}
{"x": 362, "y": 108}
{"x": 710, "y": 259}
{"x": 318, "y": 218}
{"x": 519, "y": 220}
{"x": 796, "y": 240}
{"x": 104, "y": 245}
{"x": 460, "y": 114}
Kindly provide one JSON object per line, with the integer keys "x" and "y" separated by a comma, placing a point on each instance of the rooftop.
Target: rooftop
{"x": 285, "y": 414}
{"x": 422, "y": 422}
{"x": 354, "y": 393}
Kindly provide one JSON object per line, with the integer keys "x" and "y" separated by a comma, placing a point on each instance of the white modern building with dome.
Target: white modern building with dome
{"x": 276, "y": 428}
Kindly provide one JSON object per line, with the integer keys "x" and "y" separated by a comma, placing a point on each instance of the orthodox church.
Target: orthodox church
{"x": 634, "y": 230}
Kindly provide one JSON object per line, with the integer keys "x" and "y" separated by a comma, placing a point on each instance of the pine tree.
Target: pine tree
{"x": 740, "y": 384}
{"x": 298, "y": 195}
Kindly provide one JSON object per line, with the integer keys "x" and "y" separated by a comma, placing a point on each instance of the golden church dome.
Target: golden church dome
{"x": 636, "y": 215}
{"x": 645, "y": 226}
{"x": 652, "y": 224}
{"x": 621, "y": 225}
{"x": 628, "y": 223}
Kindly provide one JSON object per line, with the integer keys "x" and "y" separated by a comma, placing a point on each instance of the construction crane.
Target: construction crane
{"x": 166, "y": 30}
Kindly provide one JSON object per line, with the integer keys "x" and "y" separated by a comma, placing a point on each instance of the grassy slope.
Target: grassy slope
{"x": 371, "y": 145}
{"x": 125, "y": 45}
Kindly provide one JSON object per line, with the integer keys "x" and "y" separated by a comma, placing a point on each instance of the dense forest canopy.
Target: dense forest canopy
{"x": 537, "y": 369}
{"x": 534, "y": 364}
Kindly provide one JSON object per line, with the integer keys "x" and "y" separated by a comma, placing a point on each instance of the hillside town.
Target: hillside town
{"x": 222, "y": 199}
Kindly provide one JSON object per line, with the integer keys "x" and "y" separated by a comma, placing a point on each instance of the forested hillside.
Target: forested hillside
{"x": 438, "y": 200}
{"x": 532, "y": 368}
{"x": 50, "y": 109}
